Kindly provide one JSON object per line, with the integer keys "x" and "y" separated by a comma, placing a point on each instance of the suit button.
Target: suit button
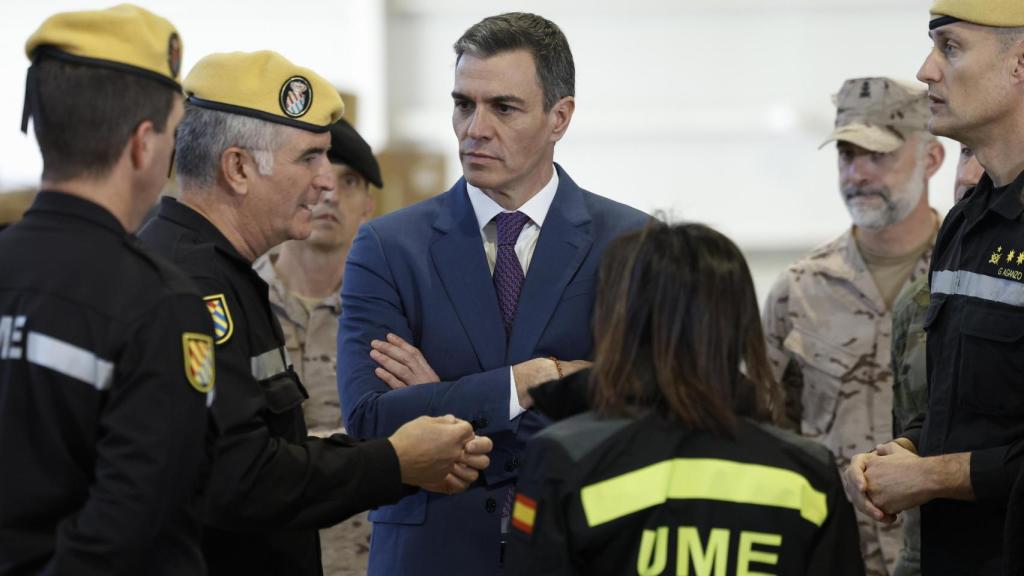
{"x": 490, "y": 505}
{"x": 512, "y": 464}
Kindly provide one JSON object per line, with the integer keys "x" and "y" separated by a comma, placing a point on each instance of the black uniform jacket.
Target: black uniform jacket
{"x": 103, "y": 408}
{"x": 271, "y": 485}
{"x": 975, "y": 327}
{"x": 648, "y": 496}
{"x": 1013, "y": 541}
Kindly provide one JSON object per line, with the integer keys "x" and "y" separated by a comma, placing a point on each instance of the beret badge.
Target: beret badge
{"x": 296, "y": 96}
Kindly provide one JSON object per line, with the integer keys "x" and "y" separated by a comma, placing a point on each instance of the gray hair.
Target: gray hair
{"x": 1009, "y": 37}
{"x": 204, "y": 135}
{"x": 552, "y": 58}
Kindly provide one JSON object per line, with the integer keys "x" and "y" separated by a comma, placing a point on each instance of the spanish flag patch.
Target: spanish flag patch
{"x": 524, "y": 514}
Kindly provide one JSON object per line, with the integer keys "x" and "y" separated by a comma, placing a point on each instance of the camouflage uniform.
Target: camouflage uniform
{"x": 829, "y": 334}
{"x": 910, "y": 396}
{"x": 311, "y": 341}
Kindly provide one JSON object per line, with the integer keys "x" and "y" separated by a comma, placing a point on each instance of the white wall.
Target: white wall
{"x": 710, "y": 109}
{"x": 343, "y": 40}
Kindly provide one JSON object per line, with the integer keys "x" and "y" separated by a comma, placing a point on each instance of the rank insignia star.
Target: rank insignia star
{"x": 1009, "y": 257}
{"x": 996, "y": 256}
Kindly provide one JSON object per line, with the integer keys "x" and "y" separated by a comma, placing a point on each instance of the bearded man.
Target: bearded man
{"x": 828, "y": 318}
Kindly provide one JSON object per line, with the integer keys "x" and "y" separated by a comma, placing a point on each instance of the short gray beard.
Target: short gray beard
{"x": 894, "y": 210}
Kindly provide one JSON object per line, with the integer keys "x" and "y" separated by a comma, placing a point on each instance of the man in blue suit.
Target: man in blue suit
{"x": 462, "y": 303}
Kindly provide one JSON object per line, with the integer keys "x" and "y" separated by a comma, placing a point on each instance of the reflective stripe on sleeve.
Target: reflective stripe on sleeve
{"x": 702, "y": 479}
{"x": 270, "y": 363}
{"x": 69, "y": 360}
{"x": 964, "y": 283}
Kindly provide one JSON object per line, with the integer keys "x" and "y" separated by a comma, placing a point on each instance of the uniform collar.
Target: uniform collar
{"x": 841, "y": 259}
{"x": 1006, "y": 201}
{"x": 280, "y": 295}
{"x": 182, "y": 215}
{"x": 65, "y": 204}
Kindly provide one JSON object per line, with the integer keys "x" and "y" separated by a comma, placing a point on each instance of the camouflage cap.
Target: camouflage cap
{"x": 994, "y": 13}
{"x": 879, "y": 114}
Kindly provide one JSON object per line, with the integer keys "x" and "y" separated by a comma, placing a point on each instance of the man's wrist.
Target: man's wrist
{"x": 947, "y": 476}
{"x": 520, "y": 379}
{"x": 558, "y": 367}
{"x": 533, "y": 373}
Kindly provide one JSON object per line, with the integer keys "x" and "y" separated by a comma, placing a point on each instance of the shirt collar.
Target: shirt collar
{"x": 76, "y": 207}
{"x": 266, "y": 267}
{"x": 536, "y": 208}
{"x": 183, "y": 215}
{"x": 1007, "y": 201}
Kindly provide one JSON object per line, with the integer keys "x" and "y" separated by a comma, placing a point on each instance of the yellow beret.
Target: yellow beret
{"x": 994, "y": 13}
{"x": 125, "y": 38}
{"x": 264, "y": 85}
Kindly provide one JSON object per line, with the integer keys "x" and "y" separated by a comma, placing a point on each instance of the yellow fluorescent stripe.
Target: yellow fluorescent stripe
{"x": 524, "y": 514}
{"x": 702, "y": 479}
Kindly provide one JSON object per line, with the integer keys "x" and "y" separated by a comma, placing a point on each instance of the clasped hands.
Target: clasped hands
{"x": 893, "y": 478}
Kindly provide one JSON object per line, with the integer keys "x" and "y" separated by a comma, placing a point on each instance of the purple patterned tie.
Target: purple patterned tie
{"x": 508, "y": 282}
{"x": 508, "y": 272}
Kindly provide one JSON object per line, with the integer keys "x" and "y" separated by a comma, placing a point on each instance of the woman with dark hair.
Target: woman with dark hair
{"x": 677, "y": 469}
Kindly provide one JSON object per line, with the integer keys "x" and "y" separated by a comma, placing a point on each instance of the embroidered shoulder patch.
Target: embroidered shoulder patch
{"x": 223, "y": 327}
{"x": 199, "y": 365}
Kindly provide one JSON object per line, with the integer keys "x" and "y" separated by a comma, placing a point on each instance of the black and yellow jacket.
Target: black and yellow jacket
{"x": 649, "y": 496}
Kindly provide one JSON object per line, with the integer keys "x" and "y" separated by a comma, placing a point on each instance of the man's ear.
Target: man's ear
{"x": 1017, "y": 52}
{"x": 140, "y": 145}
{"x": 237, "y": 169}
{"x": 935, "y": 153}
{"x": 561, "y": 115}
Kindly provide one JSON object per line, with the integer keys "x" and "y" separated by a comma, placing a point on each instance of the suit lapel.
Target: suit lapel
{"x": 459, "y": 259}
{"x": 564, "y": 242}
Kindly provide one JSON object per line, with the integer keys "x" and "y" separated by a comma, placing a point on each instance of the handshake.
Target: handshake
{"x": 440, "y": 454}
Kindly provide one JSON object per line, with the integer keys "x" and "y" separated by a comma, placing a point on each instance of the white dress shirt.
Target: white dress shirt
{"x": 536, "y": 209}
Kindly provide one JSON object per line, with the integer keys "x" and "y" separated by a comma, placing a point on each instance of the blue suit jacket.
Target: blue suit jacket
{"x": 421, "y": 273}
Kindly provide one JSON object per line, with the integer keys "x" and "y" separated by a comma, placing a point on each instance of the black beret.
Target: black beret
{"x": 348, "y": 147}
